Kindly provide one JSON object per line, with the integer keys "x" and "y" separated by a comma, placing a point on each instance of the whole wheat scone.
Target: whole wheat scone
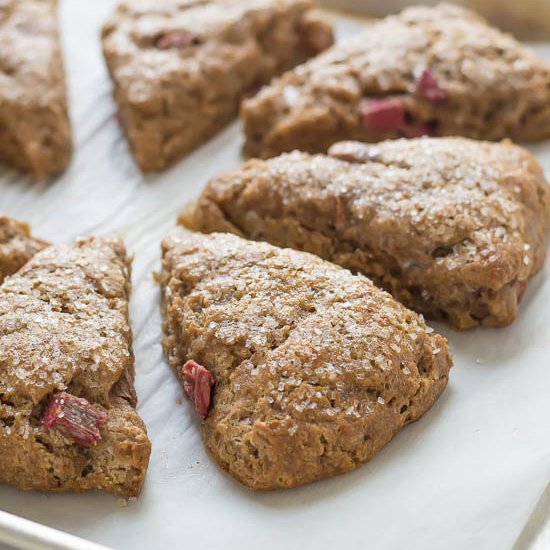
{"x": 428, "y": 71}
{"x": 35, "y": 132}
{"x": 180, "y": 67}
{"x": 453, "y": 228}
{"x": 301, "y": 369}
{"x": 67, "y": 398}
{"x": 17, "y": 245}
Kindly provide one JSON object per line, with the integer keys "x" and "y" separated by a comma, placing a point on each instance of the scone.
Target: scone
{"x": 35, "y": 133}
{"x": 300, "y": 369}
{"x": 67, "y": 399}
{"x": 453, "y": 228}
{"x": 17, "y": 245}
{"x": 180, "y": 69}
{"x": 429, "y": 71}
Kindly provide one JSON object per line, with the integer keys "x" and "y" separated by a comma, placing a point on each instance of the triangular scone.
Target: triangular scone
{"x": 35, "y": 133}
{"x": 180, "y": 69}
{"x": 17, "y": 245}
{"x": 310, "y": 370}
{"x": 453, "y": 228}
{"x": 428, "y": 71}
{"x": 67, "y": 399}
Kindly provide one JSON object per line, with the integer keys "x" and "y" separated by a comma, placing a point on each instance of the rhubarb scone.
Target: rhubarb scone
{"x": 67, "y": 398}
{"x": 453, "y": 228}
{"x": 17, "y": 245}
{"x": 300, "y": 369}
{"x": 35, "y": 132}
{"x": 180, "y": 68}
{"x": 428, "y": 71}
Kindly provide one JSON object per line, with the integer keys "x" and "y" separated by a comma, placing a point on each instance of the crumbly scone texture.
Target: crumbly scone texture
{"x": 438, "y": 71}
{"x": 453, "y": 228}
{"x": 180, "y": 67}
{"x": 315, "y": 368}
{"x": 64, "y": 328}
{"x": 17, "y": 245}
{"x": 35, "y": 132}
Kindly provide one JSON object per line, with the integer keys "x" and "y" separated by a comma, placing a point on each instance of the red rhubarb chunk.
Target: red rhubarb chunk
{"x": 175, "y": 39}
{"x": 197, "y": 383}
{"x": 74, "y": 417}
{"x": 428, "y": 87}
{"x": 383, "y": 114}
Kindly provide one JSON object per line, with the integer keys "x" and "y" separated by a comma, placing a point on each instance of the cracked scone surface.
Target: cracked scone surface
{"x": 180, "y": 68}
{"x": 64, "y": 328}
{"x": 315, "y": 369}
{"x": 428, "y": 71}
{"x": 453, "y": 228}
{"x": 17, "y": 245}
{"x": 35, "y": 133}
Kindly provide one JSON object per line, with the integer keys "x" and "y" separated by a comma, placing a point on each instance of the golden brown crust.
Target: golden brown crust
{"x": 35, "y": 133}
{"x": 181, "y": 68}
{"x": 17, "y": 245}
{"x": 64, "y": 327}
{"x": 481, "y": 84}
{"x": 316, "y": 369}
{"x": 452, "y": 227}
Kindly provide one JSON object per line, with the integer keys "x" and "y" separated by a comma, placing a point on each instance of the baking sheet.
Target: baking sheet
{"x": 470, "y": 474}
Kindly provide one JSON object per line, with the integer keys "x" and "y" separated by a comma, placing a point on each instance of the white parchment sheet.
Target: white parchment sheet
{"x": 467, "y": 476}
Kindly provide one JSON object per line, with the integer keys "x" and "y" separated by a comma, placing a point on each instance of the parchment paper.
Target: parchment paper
{"x": 467, "y": 476}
